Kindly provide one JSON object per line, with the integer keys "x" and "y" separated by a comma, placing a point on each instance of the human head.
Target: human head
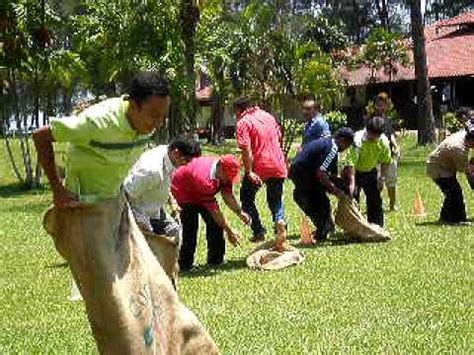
{"x": 240, "y": 105}
{"x": 374, "y": 127}
{"x": 382, "y": 102}
{"x": 149, "y": 96}
{"x": 228, "y": 169}
{"x": 182, "y": 151}
{"x": 310, "y": 108}
{"x": 344, "y": 138}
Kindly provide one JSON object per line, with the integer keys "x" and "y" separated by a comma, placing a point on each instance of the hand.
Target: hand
{"x": 254, "y": 178}
{"x": 380, "y": 183}
{"x": 245, "y": 217}
{"x": 63, "y": 198}
{"x": 342, "y": 195}
{"x": 175, "y": 210}
{"x": 233, "y": 238}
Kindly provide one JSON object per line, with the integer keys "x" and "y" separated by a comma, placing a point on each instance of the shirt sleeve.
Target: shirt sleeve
{"x": 243, "y": 134}
{"x": 74, "y": 129}
{"x": 385, "y": 156}
{"x": 329, "y": 159}
{"x": 352, "y": 157}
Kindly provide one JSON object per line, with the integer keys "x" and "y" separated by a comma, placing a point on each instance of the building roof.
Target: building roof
{"x": 449, "y": 51}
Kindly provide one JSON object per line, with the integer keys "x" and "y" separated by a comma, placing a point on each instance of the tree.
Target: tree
{"x": 426, "y": 126}
{"x": 384, "y": 50}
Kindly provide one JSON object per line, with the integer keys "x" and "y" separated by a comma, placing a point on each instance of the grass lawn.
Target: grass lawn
{"x": 411, "y": 295}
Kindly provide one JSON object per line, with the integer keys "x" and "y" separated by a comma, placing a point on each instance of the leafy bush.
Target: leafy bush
{"x": 336, "y": 120}
{"x": 452, "y": 122}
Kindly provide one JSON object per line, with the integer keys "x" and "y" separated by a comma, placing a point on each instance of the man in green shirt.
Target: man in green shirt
{"x": 371, "y": 148}
{"x": 104, "y": 140}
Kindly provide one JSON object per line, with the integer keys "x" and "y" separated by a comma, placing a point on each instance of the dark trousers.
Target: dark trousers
{"x": 368, "y": 182}
{"x": 248, "y": 192}
{"x": 214, "y": 235}
{"x": 453, "y": 210}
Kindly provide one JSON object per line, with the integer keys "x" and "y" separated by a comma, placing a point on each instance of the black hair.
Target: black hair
{"x": 345, "y": 133}
{"x": 375, "y": 125}
{"x": 148, "y": 83}
{"x": 242, "y": 103}
{"x": 189, "y": 148}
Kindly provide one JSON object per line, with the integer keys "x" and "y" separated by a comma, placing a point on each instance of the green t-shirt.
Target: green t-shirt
{"x": 366, "y": 154}
{"x": 102, "y": 149}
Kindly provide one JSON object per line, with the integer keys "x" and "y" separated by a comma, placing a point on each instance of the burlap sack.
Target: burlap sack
{"x": 130, "y": 302}
{"x": 355, "y": 225}
{"x": 265, "y": 258}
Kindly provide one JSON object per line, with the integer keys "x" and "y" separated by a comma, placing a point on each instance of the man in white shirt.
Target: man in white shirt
{"x": 148, "y": 188}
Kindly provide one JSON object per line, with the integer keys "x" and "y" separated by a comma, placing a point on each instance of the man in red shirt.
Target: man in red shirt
{"x": 259, "y": 138}
{"x": 194, "y": 186}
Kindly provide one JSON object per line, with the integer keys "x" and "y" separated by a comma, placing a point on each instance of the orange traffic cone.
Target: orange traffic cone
{"x": 306, "y": 235}
{"x": 418, "y": 206}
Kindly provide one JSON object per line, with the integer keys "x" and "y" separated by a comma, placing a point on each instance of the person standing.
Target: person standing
{"x": 312, "y": 171}
{"x": 104, "y": 140}
{"x": 259, "y": 138}
{"x": 195, "y": 186}
{"x": 371, "y": 149}
{"x": 316, "y": 125}
{"x": 382, "y": 103}
{"x": 442, "y": 166}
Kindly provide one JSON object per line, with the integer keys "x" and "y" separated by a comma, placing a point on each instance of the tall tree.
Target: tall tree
{"x": 426, "y": 126}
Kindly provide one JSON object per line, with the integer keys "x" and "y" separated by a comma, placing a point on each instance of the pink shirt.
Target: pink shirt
{"x": 196, "y": 183}
{"x": 259, "y": 131}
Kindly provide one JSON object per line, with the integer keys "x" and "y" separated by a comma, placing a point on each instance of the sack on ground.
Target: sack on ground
{"x": 130, "y": 301}
{"x": 265, "y": 258}
{"x": 355, "y": 225}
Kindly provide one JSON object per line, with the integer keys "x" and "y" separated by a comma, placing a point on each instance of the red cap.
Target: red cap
{"x": 231, "y": 167}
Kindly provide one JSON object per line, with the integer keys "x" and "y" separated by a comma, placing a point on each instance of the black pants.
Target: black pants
{"x": 214, "y": 235}
{"x": 453, "y": 210}
{"x": 368, "y": 182}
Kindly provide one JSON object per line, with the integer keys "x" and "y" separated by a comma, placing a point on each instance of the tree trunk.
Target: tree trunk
{"x": 189, "y": 20}
{"x": 16, "y": 171}
{"x": 216, "y": 117}
{"x": 426, "y": 127}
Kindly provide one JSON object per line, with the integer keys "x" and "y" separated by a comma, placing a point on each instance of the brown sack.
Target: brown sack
{"x": 355, "y": 225}
{"x": 264, "y": 257}
{"x": 130, "y": 302}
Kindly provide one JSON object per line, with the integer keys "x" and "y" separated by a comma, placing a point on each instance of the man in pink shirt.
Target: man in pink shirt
{"x": 194, "y": 186}
{"x": 259, "y": 138}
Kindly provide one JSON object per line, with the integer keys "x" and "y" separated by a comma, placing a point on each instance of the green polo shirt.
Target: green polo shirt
{"x": 102, "y": 149}
{"x": 366, "y": 154}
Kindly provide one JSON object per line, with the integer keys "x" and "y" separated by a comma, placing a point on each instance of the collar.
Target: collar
{"x": 314, "y": 119}
{"x": 167, "y": 163}
{"x": 248, "y": 110}
{"x": 213, "y": 172}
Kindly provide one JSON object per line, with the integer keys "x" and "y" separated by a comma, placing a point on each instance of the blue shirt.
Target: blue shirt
{"x": 320, "y": 154}
{"x": 315, "y": 129}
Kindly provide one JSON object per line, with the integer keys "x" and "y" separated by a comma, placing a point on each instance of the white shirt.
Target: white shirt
{"x": 149, "y": 183}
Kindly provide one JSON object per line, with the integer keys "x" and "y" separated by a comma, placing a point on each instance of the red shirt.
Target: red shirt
{"x": 196, "y": 183}
{"x": 259, "y": 131}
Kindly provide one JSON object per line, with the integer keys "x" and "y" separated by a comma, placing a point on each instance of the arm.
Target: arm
{"x": 43, "y": 140}
{"x": 232, "y": 203}
{"x": 220, "y": 220}
{"x": 394, "y": 143}
{"x": 324, "y": 179}
{"x": 247, "y": 160}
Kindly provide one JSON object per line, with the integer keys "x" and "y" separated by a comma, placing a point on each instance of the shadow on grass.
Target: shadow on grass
{"x": 206, "y": 271}
{"x": 57, "y": 266}
{"x": 439, "y": 224}
{"x": 13, "y": 190}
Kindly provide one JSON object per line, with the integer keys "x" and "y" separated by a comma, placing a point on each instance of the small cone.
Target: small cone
{"x": 75, "y": 293}
{"x": 306, "y": 235}
{"x": 418, "y": 206}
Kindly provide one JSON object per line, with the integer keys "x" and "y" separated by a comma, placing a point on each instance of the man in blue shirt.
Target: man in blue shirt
{"x": 316, "y": 125}
{"x": 310, "y": 172}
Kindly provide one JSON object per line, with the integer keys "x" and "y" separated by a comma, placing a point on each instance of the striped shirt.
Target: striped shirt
{"x": 320, "y": 154}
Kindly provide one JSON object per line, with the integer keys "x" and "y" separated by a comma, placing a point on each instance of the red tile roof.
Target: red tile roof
{"x": 449, "y": 50}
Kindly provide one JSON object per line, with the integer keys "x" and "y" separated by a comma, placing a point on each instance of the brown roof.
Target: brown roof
{"x": 449, "y": 50}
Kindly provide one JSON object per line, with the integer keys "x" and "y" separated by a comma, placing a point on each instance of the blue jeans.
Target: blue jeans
{"x": 248, "y": 191}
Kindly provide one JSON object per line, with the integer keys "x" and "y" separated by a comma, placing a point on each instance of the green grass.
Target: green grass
{"x": 412, "y": 295}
